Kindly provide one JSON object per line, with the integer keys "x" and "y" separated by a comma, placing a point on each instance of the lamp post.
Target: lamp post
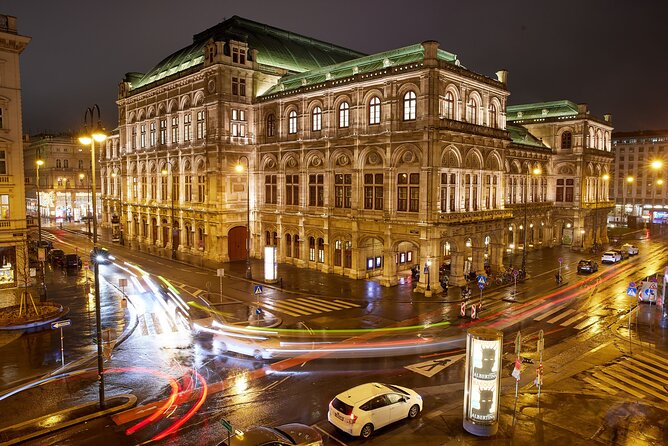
{"x": 535, "y": 171}
{"x": 42, "y": 288}
{"x": 88, "y": 138}
{"x": 240, "y": 168}
{"x": 428, "y": 274}
{"x": 629, "y": 181}
{"x": 118, "y": 172}
{"x": 605, "y": 178}
{"x": 172, "y": 228}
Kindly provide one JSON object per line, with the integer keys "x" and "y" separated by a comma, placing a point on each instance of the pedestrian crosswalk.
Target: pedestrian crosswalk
{"x": 308, "y": 305}
{"x": 643, "y": 375}
{"x": 150, "y": 324}
{"x": 577, "y": 319}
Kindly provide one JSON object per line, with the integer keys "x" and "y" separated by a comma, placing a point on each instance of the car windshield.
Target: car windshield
{"x": 584, "y": 262}
{"x": 609, "y": 254}
{"x": 396, "y": 389}
{"x": 342, "y": 407}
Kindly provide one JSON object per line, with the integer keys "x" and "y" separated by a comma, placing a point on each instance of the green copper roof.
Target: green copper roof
{"x": 538, "y": 110}
{"x": 361, "y": 65}
{"x": 520, "y": 135}
{"x": 276, "y": 48}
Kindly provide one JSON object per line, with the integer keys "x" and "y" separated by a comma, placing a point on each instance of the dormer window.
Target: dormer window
{"x": 239, "y": 56}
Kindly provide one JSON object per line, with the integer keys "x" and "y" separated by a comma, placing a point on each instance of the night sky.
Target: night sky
{"x": 612, "y": 55}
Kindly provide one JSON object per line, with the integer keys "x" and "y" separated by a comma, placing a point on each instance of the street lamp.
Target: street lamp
{"x": 535, "y": 171}
{"x": 173, "y": 230}
{"x": 88, "y": 137}
{"x": 81, "y": 177}
{"x": 629, "y": 180}
{"x": 240, "y": 168}
{"x": 42, "y": 290}
{"x": 605, "y": 178}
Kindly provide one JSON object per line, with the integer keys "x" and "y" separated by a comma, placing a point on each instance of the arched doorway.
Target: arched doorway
{"x": 236, "y": 243}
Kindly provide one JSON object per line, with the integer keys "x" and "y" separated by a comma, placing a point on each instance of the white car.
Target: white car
{"x": 611, "y": 257}
{"x": 363, "y": 409}
{"x": 631, "y": 249}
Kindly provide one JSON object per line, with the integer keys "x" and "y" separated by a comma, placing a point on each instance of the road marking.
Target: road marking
{"x": 656, "y": 358}
{"x": 432, "y": 367}
{"x": 590, "y": 320}
{"x": 600, "y": 386}
{"x": 270, "y": 305}
{"x": 550, "y": 313}
{"x": 575, "y": 318}
{"x": 649, "y": 367}
{"x": 617, "y": 384}
{"x": 623, "y": 375}
{"x": 640, "y": 370}
{"x": 561, "y": 316}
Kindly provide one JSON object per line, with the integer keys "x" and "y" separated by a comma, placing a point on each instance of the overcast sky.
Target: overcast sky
{"x": 612, "y": 55}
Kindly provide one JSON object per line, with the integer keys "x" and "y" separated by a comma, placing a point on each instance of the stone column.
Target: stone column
{"x": 389, "y": 277}
{"x": 457, "y": 269}
{"x": 478, "y": 264}
{"x": 496, "y": 257}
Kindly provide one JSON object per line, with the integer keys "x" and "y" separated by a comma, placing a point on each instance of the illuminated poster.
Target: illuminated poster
{"x": 481, "y": 393}
{"x": 270, "y": 264}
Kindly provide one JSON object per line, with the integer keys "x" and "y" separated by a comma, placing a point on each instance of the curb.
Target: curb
{"x": 31, "y": 428}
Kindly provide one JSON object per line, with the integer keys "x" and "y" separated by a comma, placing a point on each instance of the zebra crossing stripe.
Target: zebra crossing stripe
{"x": 649, "y": 367}
{"x": 575, "y": 318}
{"x": 561, "y": 316}
{"x": 602, "y": 377}
{"x": 549, "y": 313}
{"x": 641, "y": 370}
{"x": 306, "y": 303}
{"x": 656, "y": 358}
{"x": 156, "y": 324}
{"x": 600, "y": 386}
{"x": 590, "y": 320}
{"x": 142, "y": 323}
{"x": 274, "y": 306}
{"x": 347, "y": 304}
{"x": 633, "y": 378}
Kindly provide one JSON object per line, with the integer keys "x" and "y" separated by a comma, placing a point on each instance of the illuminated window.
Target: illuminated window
{"x": 374, "y": 111}
{"x": 338, "y": 251}
{"x": 311, "y": 249}
{"x": 448, "y": 106}
{"x": 271, "y": 125}
{"x": 4, "y": 207}
{"x": 410, "y": 103}
{"x": 201, "y": 124}
{"x": 348, "y": 254}
{"x": 238, "y": 125}
{"x": 187, "y": 126}
{"x": 316, "y": 120}
{"x": 344, "y": 115}
{"x": 321, "y": 250}
{"x": 292, "y": 122}
{"x": 472, "y": 111}
{"x": 142, "y": 141}
{"x": 152, "y": 134}
{"x": 163, "y": 131}
{"x": 175, "y": 130}
{"x": 342, "y": 190}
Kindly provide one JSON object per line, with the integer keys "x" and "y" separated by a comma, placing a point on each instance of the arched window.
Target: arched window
{"x": 448, "y": 110}
{"x": 374, "y": 111}
{"x": 492, "y": 116}
{"x": 472, "y": 111}
{"x": 311, "y": 249}
{"x": 567, "y": 140}
{"x": 292, "y": 122}
{"x": 344, "y": 115}
{"x": 288, "y": 245}
{"x": 410, "y": 102}
{"x": 271, "y": 125}
{"x": 316, "y": 119}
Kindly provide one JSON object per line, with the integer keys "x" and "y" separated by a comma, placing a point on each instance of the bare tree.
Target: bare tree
{"x": 24, "y": 280}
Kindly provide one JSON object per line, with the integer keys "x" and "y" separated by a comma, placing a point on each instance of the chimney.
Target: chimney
{"x": 502, "y": 76}
{"x": 430, "y": 51}
{"x": 582, "y": 109}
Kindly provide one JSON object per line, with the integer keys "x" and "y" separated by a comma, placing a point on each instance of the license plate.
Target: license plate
{"x": 339, "y": 416}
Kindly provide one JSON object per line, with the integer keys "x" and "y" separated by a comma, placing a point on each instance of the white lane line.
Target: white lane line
{"x": 597, "y": 384}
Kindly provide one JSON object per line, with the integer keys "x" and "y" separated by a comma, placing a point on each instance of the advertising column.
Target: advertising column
{"x": 484, "y": 347}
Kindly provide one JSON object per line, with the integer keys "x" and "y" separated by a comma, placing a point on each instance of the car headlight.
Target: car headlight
{"x": 99, "y": 258}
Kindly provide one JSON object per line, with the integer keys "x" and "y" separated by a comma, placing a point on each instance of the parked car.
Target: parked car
{"x": 101, "y": 256}
{"x": 54, "y": 256}
{"x": 365, "y": 408}
{"x": 284, "y": 435}
{"x": 631, "y": 249}
{"x": 71, "y": 261}
{"x": 611, "y": 257}
{"x": 587, "y": 266}
{"x": 622, "y": 253}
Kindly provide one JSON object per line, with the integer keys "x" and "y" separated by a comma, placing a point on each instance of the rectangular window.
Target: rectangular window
{"x": 142, "y": 142}
{"x": 133, "y": 142}
{"x": 201, "y": 188}
{"x": 175, "y": 130}
{"x": 152, "y": 134}
{"x": 4, "y": 207}
{"x": 163, "y": 131}
{"x": 3, "y": 162}
{"x": 242, "y": 87}
{"x": 163, "y": 188}
{"x": 408, "y": 192}
{"x": 343, "y": 190}
{"x": 201, "y": 124}
{"x": 188, "y": 188}
{"x": 154, "y": 187}
{"x": 2, "y": 122}
{"x": 292, "y": 190}
{"x": 311, "y": 249}
{"x": 187, "y": 126}
{"x": 316, "y": 190}
{"x": 337, "y": 252}
{"x": 237, "y": 125}
{"x": 373, "y": 191}
{"x": 235, "y": 86}
{"x": 270, "y": 189}
{"x": 570, "y": 190}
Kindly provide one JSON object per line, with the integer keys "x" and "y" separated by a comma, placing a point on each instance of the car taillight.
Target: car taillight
{"x": 352, "y": 418}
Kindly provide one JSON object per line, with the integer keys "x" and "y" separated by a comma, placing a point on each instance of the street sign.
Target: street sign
{"x": 41, "y": 254}
{"x": 631, "y": 292}
{"x": 482, "y": 279}
{"x": 59, "y": 324}
{"x": 227, "y": 425}
{"x": 462, "y": 309}
{"x": 122, "y": 282}
{"x": 516, "y": 272}
{"x": 481, "y": 285}
{"x": 257, "y": 289}
{"x": 258, "y": 310}
{"x": 220, "y": 272}
{"x": 561, "y": 260}
{"x": 632, "y": 285}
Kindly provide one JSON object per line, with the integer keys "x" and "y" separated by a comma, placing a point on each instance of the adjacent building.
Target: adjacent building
{"x": 352, "y": 164}
{"x": 641, "y": 160}
{"x": 13, "y": 251}
{"x": 64, "y": 178}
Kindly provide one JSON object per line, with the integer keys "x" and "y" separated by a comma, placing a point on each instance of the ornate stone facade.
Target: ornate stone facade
{"x": 357, "y": 165}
